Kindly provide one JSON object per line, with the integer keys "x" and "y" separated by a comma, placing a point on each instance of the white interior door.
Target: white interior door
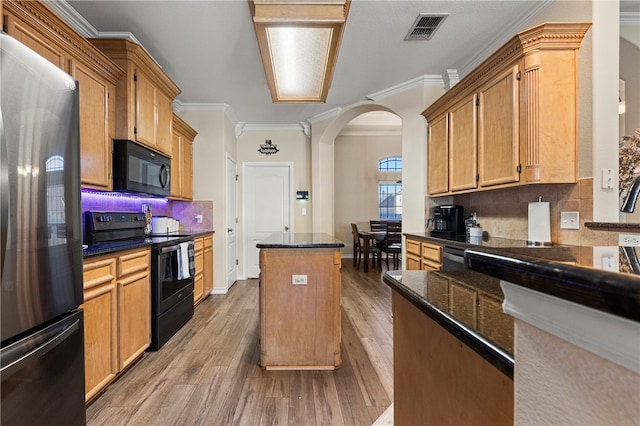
{"x": 267, "y": 206}
{"x": 232, "y": 223}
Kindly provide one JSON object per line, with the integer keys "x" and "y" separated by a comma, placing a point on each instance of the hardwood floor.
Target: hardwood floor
{"x": 208, "y": 373}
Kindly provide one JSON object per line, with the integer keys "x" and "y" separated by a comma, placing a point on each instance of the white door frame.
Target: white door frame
{"x": 245, "y": 166}
{"x": 231, "y": 272}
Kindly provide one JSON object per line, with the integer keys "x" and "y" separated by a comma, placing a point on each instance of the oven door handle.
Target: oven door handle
{"x": 169, "y": 249}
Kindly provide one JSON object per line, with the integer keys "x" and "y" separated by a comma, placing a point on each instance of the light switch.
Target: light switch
{"x": 304, "y": 211}
{"x": 608, "y": 179}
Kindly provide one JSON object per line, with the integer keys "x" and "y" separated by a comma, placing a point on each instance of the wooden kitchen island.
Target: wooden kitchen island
{"x": 300, "y": 302}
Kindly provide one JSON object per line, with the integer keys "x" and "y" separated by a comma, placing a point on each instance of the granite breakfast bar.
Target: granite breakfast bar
{"x": 300, "y": 302}
{"x": 520, "y": 336}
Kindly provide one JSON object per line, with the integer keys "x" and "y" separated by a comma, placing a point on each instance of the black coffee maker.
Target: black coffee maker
{"x": 447, "y": 222}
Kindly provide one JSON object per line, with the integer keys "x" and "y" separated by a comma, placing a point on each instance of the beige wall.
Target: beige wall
{"x": 215, "y": 139}
{"x": 293, "y": 147}
{"x": 357, "y": 178}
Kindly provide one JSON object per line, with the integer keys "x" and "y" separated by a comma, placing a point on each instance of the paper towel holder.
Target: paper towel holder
{"x": 539, "y": 233}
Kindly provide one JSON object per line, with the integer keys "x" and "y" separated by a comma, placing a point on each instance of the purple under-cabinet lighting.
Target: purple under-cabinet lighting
{"x": 117, "y": 201}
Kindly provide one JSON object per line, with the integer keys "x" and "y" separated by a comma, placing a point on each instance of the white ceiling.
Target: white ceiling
{"x": 209, "y": 49}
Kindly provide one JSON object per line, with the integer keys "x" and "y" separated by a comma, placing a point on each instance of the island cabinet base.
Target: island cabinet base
{"x": 438, "y": 380}
{"x": 300, "y": 308}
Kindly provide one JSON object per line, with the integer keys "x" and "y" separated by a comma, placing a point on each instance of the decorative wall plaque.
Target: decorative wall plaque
{"x": 267, "y": 148}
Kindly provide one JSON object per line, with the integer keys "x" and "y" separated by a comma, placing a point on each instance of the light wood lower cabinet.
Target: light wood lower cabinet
{"x": 100, "y": 324}
{"x": 422, "y": 255}
{"x": 117, "y": 312}
{"x": 207, "y": 274}
{"x": 300, "y": 308}
{"x": 198, "y": 281}
{"x": 203, "y": 257}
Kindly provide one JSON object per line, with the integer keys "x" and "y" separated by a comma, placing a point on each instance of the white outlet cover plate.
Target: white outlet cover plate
{"x": 569, "y": 220}
{"x": 629, "y": 240}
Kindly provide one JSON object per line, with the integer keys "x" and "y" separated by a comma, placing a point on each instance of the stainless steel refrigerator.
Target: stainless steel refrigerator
{"x": 42, "y": 355}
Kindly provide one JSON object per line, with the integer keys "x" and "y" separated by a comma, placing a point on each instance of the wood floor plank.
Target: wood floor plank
{"x": 208, "y": 373}
{"x": 275, "y": 412}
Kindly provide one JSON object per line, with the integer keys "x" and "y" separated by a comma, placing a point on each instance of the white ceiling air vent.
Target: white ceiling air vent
{"x": 425, "y": 26}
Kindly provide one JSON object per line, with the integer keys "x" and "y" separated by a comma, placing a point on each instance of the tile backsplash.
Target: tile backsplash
{"x": 503, "y": 212}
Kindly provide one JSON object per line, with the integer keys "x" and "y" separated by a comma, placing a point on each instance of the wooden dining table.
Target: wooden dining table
{"x": 368, "y": 239}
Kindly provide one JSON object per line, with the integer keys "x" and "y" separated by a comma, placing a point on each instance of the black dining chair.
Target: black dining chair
{"x": 358, "y": 248}
{"x": 392, "y": 244}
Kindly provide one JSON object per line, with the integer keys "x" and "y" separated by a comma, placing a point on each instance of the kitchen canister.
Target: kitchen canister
{"x": 539, "y": 224}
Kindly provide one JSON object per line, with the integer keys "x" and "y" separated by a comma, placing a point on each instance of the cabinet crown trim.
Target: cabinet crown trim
{"x": 546, "y": 36}
{"x": 122, "y": 49}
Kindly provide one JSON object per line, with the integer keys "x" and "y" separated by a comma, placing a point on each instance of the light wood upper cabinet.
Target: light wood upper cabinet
{"x": 463, "y": 145}
{"x": 144, "y": 97}
{"x": 97, "y": 109}
{"x": 523, "y": 128}
{"x": 498, "y": 130}
{"x": 182, "y": 159}
{"x": 438, "y": 156}
{"x": 25, "y": 28}
{"x": 33, "y": 24}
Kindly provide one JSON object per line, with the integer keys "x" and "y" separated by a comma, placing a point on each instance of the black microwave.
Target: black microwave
{"x": 140, "y": 170}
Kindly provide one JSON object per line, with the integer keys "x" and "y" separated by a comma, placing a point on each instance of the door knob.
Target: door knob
{"x": 286, "y": 229}
{"x": 229, "y": 230}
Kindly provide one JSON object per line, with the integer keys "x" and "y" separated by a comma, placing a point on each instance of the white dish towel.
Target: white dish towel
{"x": 183, "y": 261}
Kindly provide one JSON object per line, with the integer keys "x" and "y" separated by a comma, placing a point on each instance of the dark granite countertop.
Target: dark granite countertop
{"x": 615, "y": 293}
{"x": 466, "y": 303}
{"x": 108, "y": 247}
{"x": 282, "y": 240}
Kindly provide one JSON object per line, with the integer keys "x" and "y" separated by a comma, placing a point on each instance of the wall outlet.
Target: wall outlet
{"x": 629, "y": 240}
{"x": 608, "y": 179}
{"x": 299, "y": 279}
{"x": 198, "y": 218}
{"x": 569, "y": 220}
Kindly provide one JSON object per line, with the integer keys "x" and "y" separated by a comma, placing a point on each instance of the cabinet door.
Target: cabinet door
{"x": 36, "y": 41}
{"x": 413, "y": 262}
{"x": 95, "y": 138}
{"x": 498, "y": 130}
{"x": 463, "y": 154}
{"x": 198, "y": 284}
{"x": 176, "y": 161}
{"x": 145, "y": 110}
{"x": 207, "y": 273}
{"x": 164, "y": 128}
{"x": 100, "y": 325}
{"x": 186, "y": 174}
{"x": 134, "y": 303}
{"x": 438, "y": 157}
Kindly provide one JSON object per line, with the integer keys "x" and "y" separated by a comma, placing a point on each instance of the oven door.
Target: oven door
{"x": 167, "y": 287}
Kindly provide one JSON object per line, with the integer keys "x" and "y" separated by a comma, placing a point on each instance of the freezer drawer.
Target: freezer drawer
{"x": 43, "y": 376}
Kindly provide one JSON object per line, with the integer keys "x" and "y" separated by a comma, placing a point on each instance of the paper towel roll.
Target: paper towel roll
{"x": 539, "y": 224}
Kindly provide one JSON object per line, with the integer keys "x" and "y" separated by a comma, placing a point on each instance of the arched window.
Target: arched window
{"x": 390, "y": 191}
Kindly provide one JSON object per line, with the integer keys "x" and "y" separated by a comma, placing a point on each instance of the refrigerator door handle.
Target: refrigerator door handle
{"x": 4, "y": 189}
{"x": 17, "y": 356}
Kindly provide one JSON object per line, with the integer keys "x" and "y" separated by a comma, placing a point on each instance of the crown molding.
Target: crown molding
{"x": 274, "y": 127}
{"x": 506, "y": 34}
{"x": 334, "y": 112}
{"x": 179, "y": 106}
{"x": 398, "y": 89}
{"x": 68, "y": 14}
{"x": 370, "y": 132}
